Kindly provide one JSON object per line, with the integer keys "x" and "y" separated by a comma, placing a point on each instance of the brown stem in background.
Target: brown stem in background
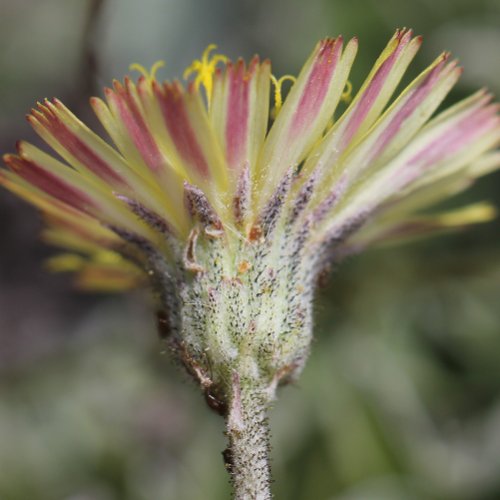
{"x": 90, "y": 61}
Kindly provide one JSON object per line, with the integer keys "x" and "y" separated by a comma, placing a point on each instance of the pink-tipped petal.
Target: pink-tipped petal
{"x": 71, "y": 145}
{"x": 306, "y": 111}
{"x": 448, "y": 142}
{"x": 196, "y": 152}
{"x": 447, "y": 145}
{"x": 371, "y": 97}
{"x": 68, "y": 186}
{"x": 239, "y": 112}
{"x": 237, "y": 120}
{"x": 369, "y": 101}
{"x": 172, "y": 99}
{"x": 396, "y": 126}
{"x": 413, "y": 104}
{"x": 49, "y": 183}
{"x": 128, "y": 111}
{"x": 315, "y": 90}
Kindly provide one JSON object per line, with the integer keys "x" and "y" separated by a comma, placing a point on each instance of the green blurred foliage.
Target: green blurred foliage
{"x": 401, "y": 397}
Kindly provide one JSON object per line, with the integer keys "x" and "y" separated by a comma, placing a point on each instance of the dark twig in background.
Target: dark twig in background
{"x": 90, "y": 60}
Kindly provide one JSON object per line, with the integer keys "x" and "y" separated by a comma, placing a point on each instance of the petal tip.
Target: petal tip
{"x": 94, "y": 101}
{"x": 8, "y": 158}
{"x": 20, "y": 146}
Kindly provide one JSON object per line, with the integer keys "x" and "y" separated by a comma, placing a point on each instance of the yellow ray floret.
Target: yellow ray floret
{"x": 67, "y": 262}
{"x": 472, "y": 214}
{"x": 103, "y": 271}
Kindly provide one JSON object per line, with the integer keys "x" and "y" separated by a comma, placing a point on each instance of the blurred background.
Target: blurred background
{"x": 400, "y": 399}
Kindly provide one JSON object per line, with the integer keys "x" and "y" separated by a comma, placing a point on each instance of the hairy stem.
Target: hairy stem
{"x": 247, "y": 456}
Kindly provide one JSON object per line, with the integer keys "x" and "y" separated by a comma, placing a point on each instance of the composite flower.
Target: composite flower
{"x": 231, "y": 198}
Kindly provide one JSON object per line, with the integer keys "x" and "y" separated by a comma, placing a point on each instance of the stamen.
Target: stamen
{"x": 205, "y": 69}
{"x": 278, "y": 97}
{"x": 156, "y": 66}
{"x": 149, "y": 75}
{"x": 347, "y": 94}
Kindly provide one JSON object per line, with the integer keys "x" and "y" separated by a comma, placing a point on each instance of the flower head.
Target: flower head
{"x": 232, "y": 217}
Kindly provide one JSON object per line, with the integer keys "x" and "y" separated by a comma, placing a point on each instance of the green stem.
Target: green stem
{"x": 247, "y": 456}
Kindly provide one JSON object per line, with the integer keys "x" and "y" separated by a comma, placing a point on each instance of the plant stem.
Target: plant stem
{"x": 247, "y": 456}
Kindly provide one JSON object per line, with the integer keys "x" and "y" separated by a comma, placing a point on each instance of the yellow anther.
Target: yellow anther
{"x": 278, "y": 97}
{"x": 65, "y": 263}
{"x": 149, "y": 75}
{"x": 106, "y": 257}
{"x": 347, "y": 94}
{"x": 205, "y": 69}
